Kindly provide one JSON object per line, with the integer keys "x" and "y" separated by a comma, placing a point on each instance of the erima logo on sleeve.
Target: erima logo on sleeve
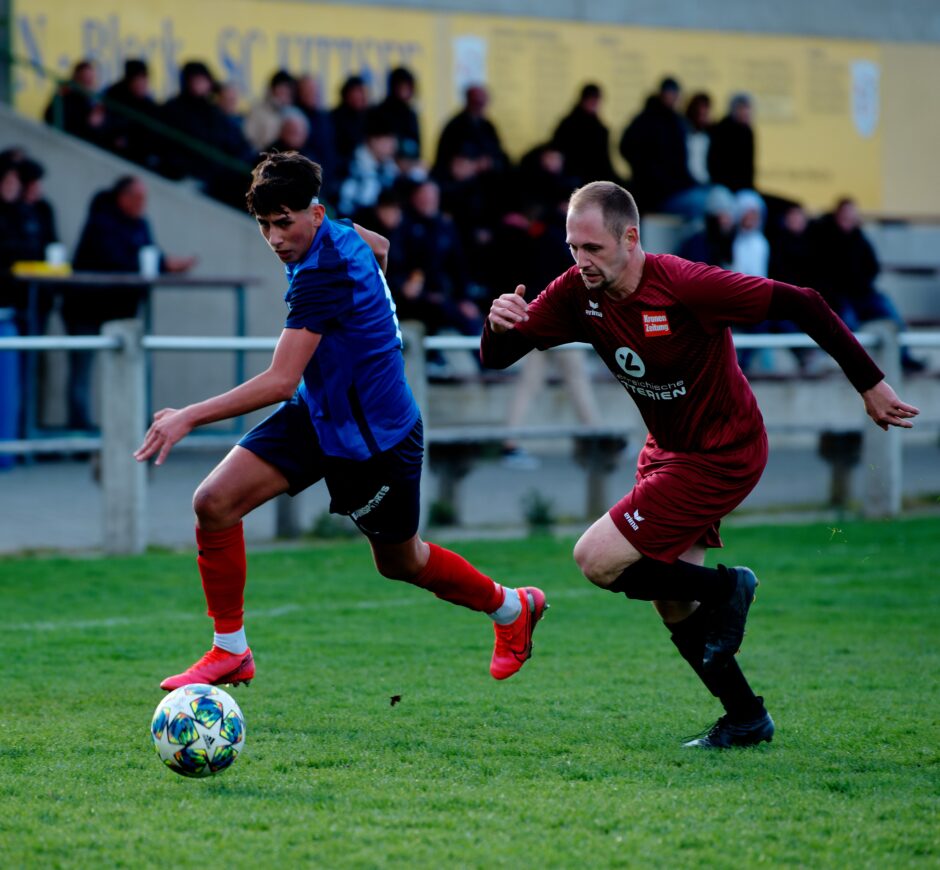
{"x": 634, "y": 520}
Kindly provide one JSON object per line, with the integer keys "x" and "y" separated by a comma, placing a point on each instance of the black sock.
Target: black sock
{"x": 729, "y": 684}
{"x": 649, "y": 579}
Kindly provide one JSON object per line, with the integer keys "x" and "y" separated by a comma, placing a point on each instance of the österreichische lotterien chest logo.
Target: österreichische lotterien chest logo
{"x": 629, "y": 360}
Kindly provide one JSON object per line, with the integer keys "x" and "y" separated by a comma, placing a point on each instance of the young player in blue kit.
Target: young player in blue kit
{"x": 347, "y": 417}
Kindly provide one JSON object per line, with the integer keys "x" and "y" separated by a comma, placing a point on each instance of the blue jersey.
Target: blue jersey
{"x": 354, "y": 385}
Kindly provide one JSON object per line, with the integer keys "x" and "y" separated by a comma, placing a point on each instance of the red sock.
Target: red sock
{"x": 454, "y": 579}
{"x": 223, "y": 570}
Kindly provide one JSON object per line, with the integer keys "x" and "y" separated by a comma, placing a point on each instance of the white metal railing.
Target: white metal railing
{"x": 124, "y": 413}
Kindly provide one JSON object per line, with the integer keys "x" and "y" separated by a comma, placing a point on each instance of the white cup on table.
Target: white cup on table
{"x": 149, "y": 260}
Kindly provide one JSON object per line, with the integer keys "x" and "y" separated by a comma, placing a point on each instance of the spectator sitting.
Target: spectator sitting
{"x": 386, "y": 218}
{"x": 227, "y": 98}
{"x": 751, "y": 256}
{"x": 472, "y": 198}
{"x": 698, "y": 136}
{"x": 349, "y": 121}
{"x": 195, "y": 114}
{"x": 115, "y": 231}
{"x": 321, "y": 138}
{"x": 846, "y": 267}
{"x": 750, "y": 251}
{"x": 731, "y": 153}
{"x": 712, "y": 244}
{"x": 372, "y": 170}
{"x": 263, "y": 121}
{"x": 791, "y": 259}
{"x": 75, "y": 107}
{"x": 791, "y": 262}
{"x": 584, "y": 140}
{"x": 411, "y": 168}
{"x": 654, "y": 144}
{"x": 471, "y": 131}
{"x": 396, "y": 113}
{"x": 128, "y": 135}
{"x": 434, "y": 289}
{"x": 294, "y": 134}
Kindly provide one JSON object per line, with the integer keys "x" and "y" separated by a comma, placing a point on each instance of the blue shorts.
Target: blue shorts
{"x": 381, "y": 494}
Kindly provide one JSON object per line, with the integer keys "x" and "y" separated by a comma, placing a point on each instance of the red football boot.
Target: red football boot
{"x": 216, "y": 667}
{"x": 514, "y": 641}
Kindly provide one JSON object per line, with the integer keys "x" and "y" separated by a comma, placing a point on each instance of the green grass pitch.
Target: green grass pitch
{"x": 575, "y": 762}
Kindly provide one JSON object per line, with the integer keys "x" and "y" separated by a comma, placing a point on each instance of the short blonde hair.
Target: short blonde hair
{"x": 616, "y": 204}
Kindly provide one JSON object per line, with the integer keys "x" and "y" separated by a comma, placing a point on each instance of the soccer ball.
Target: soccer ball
{"x": 198, "y": 730}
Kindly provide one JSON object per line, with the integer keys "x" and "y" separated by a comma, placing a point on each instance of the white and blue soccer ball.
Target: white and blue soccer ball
{"x": 198, "y": 730}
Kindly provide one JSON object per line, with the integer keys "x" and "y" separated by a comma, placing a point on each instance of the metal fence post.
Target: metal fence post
{"x": 881, "y": 451}
{"x": 412, "y": 333}
{"x": 123, "y": 413}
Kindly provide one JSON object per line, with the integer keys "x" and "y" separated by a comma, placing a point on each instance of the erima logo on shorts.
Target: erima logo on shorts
{"x": 372, "y": 504}
{"x": 629, "y": 360}
{"x": 633, "y": 520}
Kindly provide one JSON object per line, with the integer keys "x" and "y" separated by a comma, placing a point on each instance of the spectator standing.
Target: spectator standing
{"x": 731, "y": 153}
{"x": 114, "y": 233}
{"x": 321, "y": 138}
{"x": 584, "y": 140}
{"x": 349, "y": 122}
{"x": 698, "y": 136}
{"x": 195, "y": 113}
{"x": 373, "y": 169}
{"x": 12, "y": 238}
{"x": 471, "y": 132}
{"x": 846, "y": 266}
{"x": 75, "y": 106}
{"x": 713, "y": 243}
{"x": 434, "y": 285}
{"x": 293, "y": 134}
{"x": 128, "y": 133}
{"x": 654, "y": 144}
{"x": 263, "y": 121}
{"x": 397, "y": 113}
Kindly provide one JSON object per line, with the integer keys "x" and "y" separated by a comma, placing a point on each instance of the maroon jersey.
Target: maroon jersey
{"x": 668, "y": 344}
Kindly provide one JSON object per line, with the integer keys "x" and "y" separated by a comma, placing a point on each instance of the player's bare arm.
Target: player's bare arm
{"x": 886, "y": 409}
{"x": 276, "y": 384}
{"x": 378, "y": 243}
{"x": 508, "y": 309}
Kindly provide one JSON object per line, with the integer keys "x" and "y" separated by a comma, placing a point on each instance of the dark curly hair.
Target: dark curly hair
{"x": 283, "y": 181}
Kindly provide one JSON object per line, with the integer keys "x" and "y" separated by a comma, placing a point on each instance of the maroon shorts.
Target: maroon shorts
{"x": 680, "y": 498}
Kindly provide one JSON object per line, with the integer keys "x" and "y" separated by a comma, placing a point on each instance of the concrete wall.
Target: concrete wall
{"x": 899, "y": 20}
{"x": 226, "y": 242}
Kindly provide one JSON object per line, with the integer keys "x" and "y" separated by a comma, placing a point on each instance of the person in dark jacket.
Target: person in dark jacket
{"x": 470, "y": 131}
{"x": 846, "y": 266}
{"x": 654, "y": 144}
{"x": 76, "y": 108}
{"x": 321, "y": 137}
{"x": 349, "y": 123}
{"x": 584, "y": 140}
{"x": 396, "y": 111}
{"x": 731, "y": 152}
{"x": 194, "y": 113}
{"x": 128, "y": 133}
{"x": 114, "y": 233}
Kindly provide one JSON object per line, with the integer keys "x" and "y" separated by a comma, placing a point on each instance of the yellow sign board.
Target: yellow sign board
{"x": 818, "y": 102}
